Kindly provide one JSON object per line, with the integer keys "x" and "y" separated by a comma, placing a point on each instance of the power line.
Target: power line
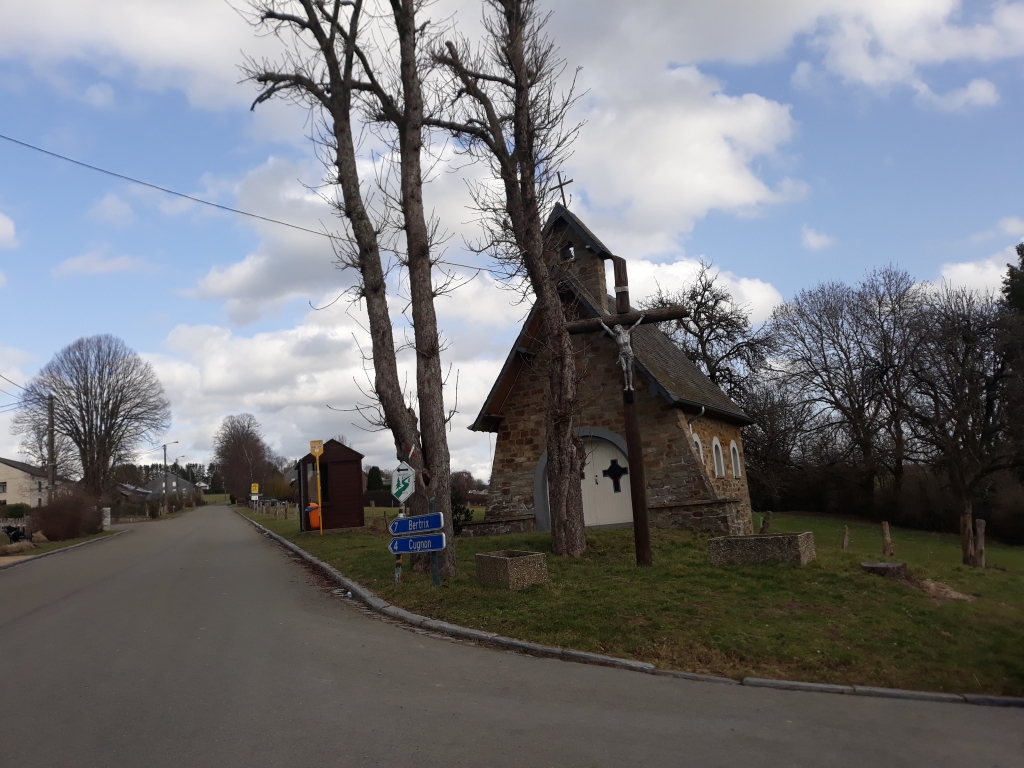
{"x": 161, "y": 189}
{"x": 197, "y": 199}
{"x": 12, "y": 382}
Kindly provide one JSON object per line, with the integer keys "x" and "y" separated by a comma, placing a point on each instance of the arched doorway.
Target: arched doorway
{"x": 606, "y": 499}
{"x": 602, "y": 504}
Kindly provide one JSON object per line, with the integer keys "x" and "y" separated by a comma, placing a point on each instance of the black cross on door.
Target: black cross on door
{"x": 615, "y": 472}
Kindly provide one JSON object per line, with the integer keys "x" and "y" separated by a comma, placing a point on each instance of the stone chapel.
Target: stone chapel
{"x": 693, "y": 447}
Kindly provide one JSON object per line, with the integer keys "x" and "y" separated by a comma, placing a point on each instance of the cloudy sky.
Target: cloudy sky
{"x": 789, "y": 143}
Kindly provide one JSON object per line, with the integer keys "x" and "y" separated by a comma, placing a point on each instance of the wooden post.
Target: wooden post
{"x": 887, "y": 548}
{"x": 979, "y": 543}
{"x": 766, "y": 523}
{"x": 637, "y": 481}
{"x": 846, "y": 537}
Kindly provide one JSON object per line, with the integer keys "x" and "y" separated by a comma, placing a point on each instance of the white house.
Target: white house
{"x": 21, "y": 483}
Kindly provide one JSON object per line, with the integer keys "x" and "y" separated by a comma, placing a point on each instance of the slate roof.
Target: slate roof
{"x": 23, "y": 467}
{"x": 673, "y": 375}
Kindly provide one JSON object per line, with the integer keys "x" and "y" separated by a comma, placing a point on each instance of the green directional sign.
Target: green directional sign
{"x": 403, "y": 482}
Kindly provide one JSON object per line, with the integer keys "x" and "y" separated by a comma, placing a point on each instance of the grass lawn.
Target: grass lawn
{"x": 826, "y": 622}
{"x": 52, "y": 545}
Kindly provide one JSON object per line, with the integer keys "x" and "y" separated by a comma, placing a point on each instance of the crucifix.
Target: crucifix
{"x": 561, "y": 185}
{"x": 620, "y": 326}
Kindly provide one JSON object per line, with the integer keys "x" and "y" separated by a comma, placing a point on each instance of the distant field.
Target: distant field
{"x": 216, "y": 498}
{"x": 827, "y": 621}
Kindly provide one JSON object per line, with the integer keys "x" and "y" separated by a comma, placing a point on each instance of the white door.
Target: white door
{"x": 605, "y": 485}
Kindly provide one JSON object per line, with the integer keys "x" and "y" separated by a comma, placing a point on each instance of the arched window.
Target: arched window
{"x": 699, "y": 447}
{"x": 716, "y": 450}
{"x": 734, "y": 456}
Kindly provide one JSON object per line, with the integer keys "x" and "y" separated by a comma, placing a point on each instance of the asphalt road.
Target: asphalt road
{"x": 197, "y": 642}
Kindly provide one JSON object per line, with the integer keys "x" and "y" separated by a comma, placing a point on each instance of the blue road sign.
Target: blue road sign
{"x": 433, "y": 542}
{"x": 418, "y": 524}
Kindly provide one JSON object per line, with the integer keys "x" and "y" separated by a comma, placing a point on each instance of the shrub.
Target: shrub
{"x": 15, "y": 510}
{"x": 69, "y": 515}
{"x": 461, "y": 513}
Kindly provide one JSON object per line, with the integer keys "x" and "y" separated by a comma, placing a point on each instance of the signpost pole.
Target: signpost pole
{"x": 319, "y": 502}
{"x": 398, "y": 558}
{"x": 434, "y": 572}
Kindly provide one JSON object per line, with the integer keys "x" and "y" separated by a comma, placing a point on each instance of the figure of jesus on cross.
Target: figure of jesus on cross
{"x": 626, "y": 356}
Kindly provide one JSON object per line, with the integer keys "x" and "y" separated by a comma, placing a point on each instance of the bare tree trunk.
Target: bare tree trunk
{"x": 429, "y": 377}
{"x": 967, "y": 529}
{"x": 523, "y": 152}
{"x": 290, "y": 79}
{"x": 979, "y": 543}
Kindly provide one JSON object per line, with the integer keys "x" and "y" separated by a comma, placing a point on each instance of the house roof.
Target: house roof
{"x": 23, "y": 467}
{"x": 337, "y": 451}
{"x": 672, "y": 374}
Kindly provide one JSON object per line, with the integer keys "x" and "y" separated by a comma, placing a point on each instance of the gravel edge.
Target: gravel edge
{"x": 33, "y": 558}
{"x": 584, "y": 657}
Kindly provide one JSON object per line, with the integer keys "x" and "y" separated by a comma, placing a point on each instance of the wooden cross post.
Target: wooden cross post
{"x": 625, "y": 318}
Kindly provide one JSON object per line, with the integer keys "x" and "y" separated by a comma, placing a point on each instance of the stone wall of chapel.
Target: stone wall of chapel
{"x": 707, "y": 428}
{"x": 674, "y": 475}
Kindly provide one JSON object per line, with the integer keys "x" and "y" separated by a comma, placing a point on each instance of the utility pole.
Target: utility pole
{"x": 165, "y": 480}
{"x": 165, "y": 474}
{"x": 51, "y": 458}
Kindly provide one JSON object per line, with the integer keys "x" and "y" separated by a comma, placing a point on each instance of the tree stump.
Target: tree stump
{"x": 889, "y": 570}
{"x": 846, "y": 537}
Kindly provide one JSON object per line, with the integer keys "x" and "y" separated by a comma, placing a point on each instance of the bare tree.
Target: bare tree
{"x": 242, "y": 454}
{"x": 107, "y": 402}
{"x": 958, "y": 407}
{"x": 33, "y": 427}
{"x": 885, "y": 310}
{"x": 332, "y": 67}
{"x": 506, "y": 108}
{"x": 717, "y": 334}
{"x": 821, "y": 357}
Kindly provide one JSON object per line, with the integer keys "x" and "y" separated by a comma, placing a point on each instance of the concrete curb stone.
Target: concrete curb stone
{"x": 363, "y": 594}
{"x": 62, "y": 549}
{"x": 984, "y": 700}
{"x": 899, "y": 693}
{"x": 794, "y": 685}
{"x": 694, "y": 676}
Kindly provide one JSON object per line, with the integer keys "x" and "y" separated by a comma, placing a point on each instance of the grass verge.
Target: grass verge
{"x": 824, "y": 622}
{"x": 50, "y": 546}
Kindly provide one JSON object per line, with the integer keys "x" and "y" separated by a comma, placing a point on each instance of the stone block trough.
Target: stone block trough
{"x": 511, "y": 569}
{"x": 761, "y": 548}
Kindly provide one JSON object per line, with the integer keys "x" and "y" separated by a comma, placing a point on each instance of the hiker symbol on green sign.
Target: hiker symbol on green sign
{"x": 403, "y": 482}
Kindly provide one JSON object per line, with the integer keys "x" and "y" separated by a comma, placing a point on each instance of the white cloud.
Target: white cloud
{"x": 113, "y": 210}
{"x": 8, "y": 237}
{"x": 984, "y": 274}
{"x": 977, "y": 93}
{"x": 287, "y": 263}
{"x": 288, "y": 377}
{"x": 814, "y": 240}
{"x": 97, "y": 263}
{"x": 99, "y": 95}
{"x": 1012, "y": 225}
{"x": 656, "y": 157}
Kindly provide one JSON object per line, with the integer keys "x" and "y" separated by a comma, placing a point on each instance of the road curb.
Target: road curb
{"x": 567, "y": 654}
{"x": 33, "y": 558}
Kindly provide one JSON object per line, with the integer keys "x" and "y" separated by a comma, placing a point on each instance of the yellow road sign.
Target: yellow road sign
{"x": 255, "y": 488}
{"x": 316, "y": 447}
